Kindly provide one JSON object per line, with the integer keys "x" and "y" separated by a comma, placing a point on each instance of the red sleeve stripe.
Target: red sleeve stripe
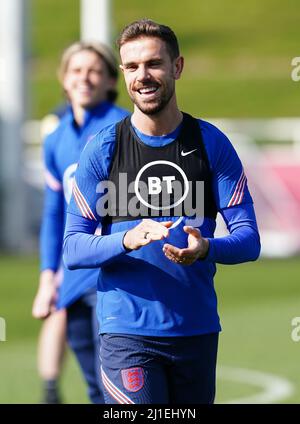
{"x": 113, "y": 390}
{"x": 82, "y": 203}
{"x": 239, "y": 191}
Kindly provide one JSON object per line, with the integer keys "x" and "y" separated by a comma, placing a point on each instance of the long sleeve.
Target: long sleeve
{"x": 51, "y": 234}
{"x": 83, "y": 249}
{"x": 233, "y": 201}
{"x": 243, "y": 242}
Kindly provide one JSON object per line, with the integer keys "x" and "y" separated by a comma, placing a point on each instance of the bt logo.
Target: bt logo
{"x": 163, "y": 183}
{"x": 155, "y": 184}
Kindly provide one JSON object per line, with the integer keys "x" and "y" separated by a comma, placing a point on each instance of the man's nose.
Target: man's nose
{"x": 143, "y": 73}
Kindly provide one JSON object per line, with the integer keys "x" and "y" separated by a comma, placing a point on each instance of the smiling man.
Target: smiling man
{"x": 157, "y": 252}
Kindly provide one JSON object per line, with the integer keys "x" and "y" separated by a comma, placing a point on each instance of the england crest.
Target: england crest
{"x": 133, "y": 379}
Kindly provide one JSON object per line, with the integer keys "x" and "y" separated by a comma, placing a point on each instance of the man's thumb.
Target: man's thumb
{"x": 193, "y": 231}
{"x": 167, "y": 224}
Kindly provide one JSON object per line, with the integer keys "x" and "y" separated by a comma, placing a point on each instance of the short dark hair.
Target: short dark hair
{"x": 149, "y": 28}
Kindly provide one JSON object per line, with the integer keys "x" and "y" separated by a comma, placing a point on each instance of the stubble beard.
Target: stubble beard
{"x": 153, "y": 108}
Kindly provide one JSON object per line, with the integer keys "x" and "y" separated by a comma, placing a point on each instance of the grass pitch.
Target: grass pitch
{"x": 257, "y": 302}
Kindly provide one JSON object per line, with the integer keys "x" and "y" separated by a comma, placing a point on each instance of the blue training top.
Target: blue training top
{"x": 62, "y": 149}
{"x": 142, "y": 292}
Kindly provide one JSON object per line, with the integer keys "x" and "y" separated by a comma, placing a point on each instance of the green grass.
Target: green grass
{"x": 257, "y": 302}
{"x": 238, "y": 54}
{"x": 19, "y": 379}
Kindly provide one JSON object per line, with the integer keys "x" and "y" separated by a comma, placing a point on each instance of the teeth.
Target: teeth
{"x": 147, "y": 90}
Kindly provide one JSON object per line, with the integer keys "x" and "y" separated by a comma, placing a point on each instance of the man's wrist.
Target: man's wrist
{"x": 203, "y": 255}
{"x": 124, "y": 242}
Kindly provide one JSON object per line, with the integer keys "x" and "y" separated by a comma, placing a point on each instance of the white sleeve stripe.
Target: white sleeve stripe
{"x": 237, "y": 190}
{"x": 235, "y": 201}
{"x": 52, "y": 182}
{"x": 83, "y": 202}
{"x": 239, "y": 200}
{"x": 237, "y": 186}
{"x": 79, "y": 204}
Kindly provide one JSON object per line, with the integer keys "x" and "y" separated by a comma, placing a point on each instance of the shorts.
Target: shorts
{"x": 159, "y": 370}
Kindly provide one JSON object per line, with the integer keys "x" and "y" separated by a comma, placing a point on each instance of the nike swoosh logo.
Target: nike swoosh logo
{"x": 187, "y": 153}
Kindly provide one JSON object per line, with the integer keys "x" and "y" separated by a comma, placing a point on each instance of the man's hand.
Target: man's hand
{"x": 197, "y": 248}
{"x": 146, "y": 232}
{"x": 44, "y": 302}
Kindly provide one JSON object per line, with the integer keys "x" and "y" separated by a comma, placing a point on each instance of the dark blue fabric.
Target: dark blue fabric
{"x": 170, "y": 370}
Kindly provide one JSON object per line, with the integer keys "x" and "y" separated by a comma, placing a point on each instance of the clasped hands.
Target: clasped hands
{"x": 149, "y": 230}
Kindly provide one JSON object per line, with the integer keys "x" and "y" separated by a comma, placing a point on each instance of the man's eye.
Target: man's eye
{"x": 131, "y": 68}
{"x": 154, "y": 64}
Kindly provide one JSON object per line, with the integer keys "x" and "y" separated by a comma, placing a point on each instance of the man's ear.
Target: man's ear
{"x": 122, "y": 68}
{"x": 178, "y": 67}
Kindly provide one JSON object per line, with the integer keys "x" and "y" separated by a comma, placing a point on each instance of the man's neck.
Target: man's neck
{"x": 160, "y": 124}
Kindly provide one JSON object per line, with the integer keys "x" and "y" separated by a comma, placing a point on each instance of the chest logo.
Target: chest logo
{"x": 155, "y": 184}
{"x": 187, "y": 153}
{"x": 159, "y": 188}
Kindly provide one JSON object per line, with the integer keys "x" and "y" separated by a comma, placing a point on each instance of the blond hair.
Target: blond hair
{"x": 102, "y": 50}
